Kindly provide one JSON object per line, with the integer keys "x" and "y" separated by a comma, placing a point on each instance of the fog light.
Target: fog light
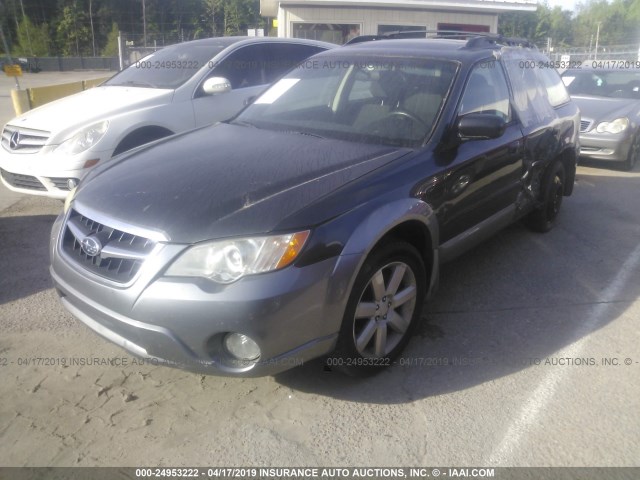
{"x": 241, "y": 347}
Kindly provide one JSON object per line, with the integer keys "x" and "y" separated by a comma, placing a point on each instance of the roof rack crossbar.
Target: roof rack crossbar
{"x": 474, "y": 39}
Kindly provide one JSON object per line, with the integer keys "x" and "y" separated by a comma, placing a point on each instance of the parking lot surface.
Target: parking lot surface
{"x": 527, "y": 356}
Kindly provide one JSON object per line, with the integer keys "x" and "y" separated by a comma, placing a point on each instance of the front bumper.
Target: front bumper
{"x": 605, "y": 146}
{"x": 45, "y": 173}
{"x": 293, "y": 314}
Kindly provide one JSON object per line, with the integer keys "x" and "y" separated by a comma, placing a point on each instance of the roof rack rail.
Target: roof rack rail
{"x": 474, "y": 39}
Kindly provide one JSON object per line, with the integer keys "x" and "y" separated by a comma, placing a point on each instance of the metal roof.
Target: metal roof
{"x": 467, "y": 5}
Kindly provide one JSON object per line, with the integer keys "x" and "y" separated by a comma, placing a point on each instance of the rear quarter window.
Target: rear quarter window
{"x": 530, "y": 91}
{"x": 556, "y": 91}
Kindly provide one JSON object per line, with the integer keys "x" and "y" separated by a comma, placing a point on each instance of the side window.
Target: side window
{"x": 556, "y": 91}
{"x": 280, "y": 58}
{"x": 486, "y": 91}
{"x": 243, "y": 68}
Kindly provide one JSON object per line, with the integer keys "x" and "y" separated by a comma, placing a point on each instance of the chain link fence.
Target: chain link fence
{"x": 581, "y": 54}
{"x": 68, "y": 64}
{"x": 133, "y": 47}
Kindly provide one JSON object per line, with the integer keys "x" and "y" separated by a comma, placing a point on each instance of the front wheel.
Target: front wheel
{"x": 543, "y": 218}
{"x": 383, "y": 309}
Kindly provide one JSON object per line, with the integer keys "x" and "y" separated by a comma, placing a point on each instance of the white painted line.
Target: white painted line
{"x": 546, "y": 389}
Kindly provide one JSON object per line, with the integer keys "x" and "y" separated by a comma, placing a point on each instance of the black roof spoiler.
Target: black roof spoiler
{"x": 474, "y": 39}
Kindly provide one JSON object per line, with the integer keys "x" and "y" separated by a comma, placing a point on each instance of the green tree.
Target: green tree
{"x": 32, "y": 40}
{"x": 539, "y": 26}
{"x": 111, "y": 48}
{"x": 561, "y": 27}
{"x": 517, "y": 24}
{"x": 240, "y": 15}
{"x": 74, "y": 36}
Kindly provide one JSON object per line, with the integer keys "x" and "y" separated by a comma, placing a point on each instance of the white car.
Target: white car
{"x": 46, "y": 151}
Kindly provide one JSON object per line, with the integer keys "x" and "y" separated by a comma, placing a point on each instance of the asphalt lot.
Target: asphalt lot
{"x": 528, "y": 356}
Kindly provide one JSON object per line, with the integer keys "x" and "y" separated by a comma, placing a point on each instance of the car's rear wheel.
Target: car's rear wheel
{"x": 383, "y": 309}
{"x": 634, "y": 152}
{"x": 543, "y": 218}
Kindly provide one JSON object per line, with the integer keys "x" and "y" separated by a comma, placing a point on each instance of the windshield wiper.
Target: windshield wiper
{"x": 303, "y": 133}
{"x": 241, "y": 123}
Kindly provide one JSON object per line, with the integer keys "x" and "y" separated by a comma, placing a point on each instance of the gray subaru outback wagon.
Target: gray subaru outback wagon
{"x": 314, "y": 222}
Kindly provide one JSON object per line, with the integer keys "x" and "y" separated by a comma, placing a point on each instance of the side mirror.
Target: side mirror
{"x": 216, "y": 85}
{"x": 480, "y": 126}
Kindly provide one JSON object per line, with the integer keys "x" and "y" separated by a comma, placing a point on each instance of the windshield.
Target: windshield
{"x": 170, "y": 67}
{"x": 611, "y": 83}
{"x": 392, "y": 101}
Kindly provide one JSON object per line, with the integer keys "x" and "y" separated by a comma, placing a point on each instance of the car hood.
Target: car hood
{"x": 64, "y": 116}
{"x": 224, "y": 180}
{"x": 604, "y": 109}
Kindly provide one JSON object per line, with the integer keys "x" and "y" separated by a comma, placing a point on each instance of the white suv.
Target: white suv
{"x": 47, "y": 150}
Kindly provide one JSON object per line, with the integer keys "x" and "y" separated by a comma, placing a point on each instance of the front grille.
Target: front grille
{"x": 121, "y": 256}
{"x": 23, "y": 140}
{"x": 22, "y": 181}
{"x": 585, "y": 125}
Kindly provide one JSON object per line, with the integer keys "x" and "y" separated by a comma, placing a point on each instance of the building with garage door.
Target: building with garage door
{"x": 338, "y": 21}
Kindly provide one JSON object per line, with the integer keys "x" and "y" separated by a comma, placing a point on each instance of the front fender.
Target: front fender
{"x": 385, "y": 218}
{"x": 368, "y": 234}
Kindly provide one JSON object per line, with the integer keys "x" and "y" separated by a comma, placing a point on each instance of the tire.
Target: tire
{"x": 634, "y": 153}
{"x": 377, "y": 324}
{"x": 543, "y": 218}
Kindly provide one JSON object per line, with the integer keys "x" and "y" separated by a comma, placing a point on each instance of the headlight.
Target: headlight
{"x": 619, "y": 125}
{"x": 226, "y": 261}
{"x": 84, "y": 139}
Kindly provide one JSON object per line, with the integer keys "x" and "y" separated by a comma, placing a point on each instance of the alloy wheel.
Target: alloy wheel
{"x": 385, "y": 309}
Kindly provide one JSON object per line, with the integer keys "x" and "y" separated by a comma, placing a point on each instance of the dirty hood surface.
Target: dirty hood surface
{"x": 225, "y": 180}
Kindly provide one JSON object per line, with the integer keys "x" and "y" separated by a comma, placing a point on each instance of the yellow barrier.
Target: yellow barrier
{"x": 20, "y": 99}
{"x": 41, "y": 95}
{"x": 38, "y": 96}
{"x": 94, "y": 82}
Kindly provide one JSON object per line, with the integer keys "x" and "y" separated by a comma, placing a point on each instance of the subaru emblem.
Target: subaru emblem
{"x": 14, "y": 140}
{"x": 91, "y": 246}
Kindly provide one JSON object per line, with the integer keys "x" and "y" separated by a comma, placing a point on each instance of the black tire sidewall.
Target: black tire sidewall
{"x": 539, "y": 220}
{"x": 632, "y": 158}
